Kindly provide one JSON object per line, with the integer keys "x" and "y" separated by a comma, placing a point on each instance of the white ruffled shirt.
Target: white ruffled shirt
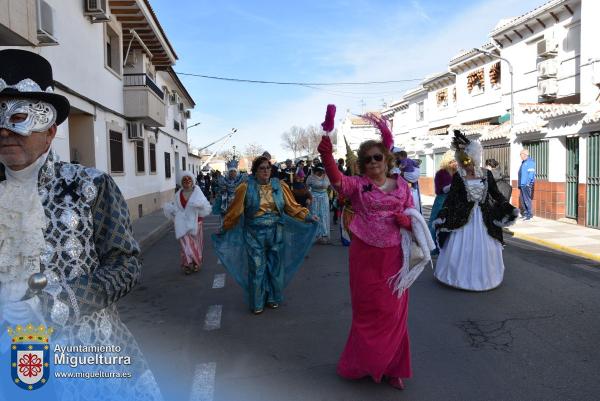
{"x": 22, "y": 225}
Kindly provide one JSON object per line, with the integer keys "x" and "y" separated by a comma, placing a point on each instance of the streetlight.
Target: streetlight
{"x": 193, "y": 125}
{"x": 510, "y": 71}
{"x": 233, "y": 147}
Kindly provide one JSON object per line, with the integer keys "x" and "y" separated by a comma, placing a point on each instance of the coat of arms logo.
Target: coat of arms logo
{"x": 30, "y": 355}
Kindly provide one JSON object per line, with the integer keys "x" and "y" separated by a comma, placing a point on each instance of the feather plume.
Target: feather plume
{"x": 329, "y": 118}
{"x": 386, "y": 134}
{"x": 460, "y": 141}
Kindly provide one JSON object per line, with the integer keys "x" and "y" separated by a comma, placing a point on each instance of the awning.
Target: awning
{"x": 439, "y": 130}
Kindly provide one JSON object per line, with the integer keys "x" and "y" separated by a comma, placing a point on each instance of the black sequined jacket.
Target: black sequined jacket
{"x": 457, "y": 208}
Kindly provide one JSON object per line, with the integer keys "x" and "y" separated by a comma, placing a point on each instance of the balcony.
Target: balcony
{"x": 144, "y": 101}
{"x": 18, "y": 23}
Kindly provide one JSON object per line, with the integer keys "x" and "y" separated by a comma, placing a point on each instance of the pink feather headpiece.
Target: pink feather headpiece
{"x": 329, "y": 118}
{"x": 386, "y": 134}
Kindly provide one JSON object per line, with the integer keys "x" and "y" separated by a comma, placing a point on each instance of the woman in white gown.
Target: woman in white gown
{"x": 469, "y": 226}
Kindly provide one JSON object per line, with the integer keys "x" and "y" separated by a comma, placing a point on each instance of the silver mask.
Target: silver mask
{"x": 40, "y": 115}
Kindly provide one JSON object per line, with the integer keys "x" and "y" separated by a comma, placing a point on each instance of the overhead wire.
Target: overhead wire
{"x": 256, "y": 81}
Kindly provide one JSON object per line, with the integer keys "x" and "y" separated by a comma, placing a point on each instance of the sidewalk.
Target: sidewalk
{"x": 569, "y": 238}
{"x": 150, "y": 228}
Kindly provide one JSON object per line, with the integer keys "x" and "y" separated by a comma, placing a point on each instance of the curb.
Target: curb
{"x": 154, "y": 235}
{"x": 555, "y": 246}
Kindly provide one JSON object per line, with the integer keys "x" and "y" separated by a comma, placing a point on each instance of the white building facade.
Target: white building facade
{"x": 129, "y": 110}
{"x": 555, "y": 91}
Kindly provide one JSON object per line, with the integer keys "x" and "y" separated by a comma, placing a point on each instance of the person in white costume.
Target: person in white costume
{"x": 188, "y": 209}
{"x": 469, "y": 226}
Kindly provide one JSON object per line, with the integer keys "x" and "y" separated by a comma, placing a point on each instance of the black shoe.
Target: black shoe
{"x": 272, "y": 305}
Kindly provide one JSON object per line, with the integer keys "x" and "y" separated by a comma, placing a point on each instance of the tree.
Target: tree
{"x": 226, "y": 154}
{"x": 292, "y": 139}
{"x": 253, "y": 150}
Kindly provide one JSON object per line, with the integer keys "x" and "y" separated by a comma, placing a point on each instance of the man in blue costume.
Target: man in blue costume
{"x": 266, "y": 236}
{"x": 66, "y": 227}
{"x": 227, "y": 186}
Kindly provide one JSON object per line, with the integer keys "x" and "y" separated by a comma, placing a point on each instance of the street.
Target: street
{"x": 533, "y": 338}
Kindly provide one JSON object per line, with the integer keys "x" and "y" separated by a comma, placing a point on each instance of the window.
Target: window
{"x": 183, "y": 163}
{"x": 116, "y": 152}
{"x": 420, "y": 111}
{"x": 113, "y": 50}
{"x": 152, "y": 151}
{"x": 423, "y": 166}
{"x": 538, "y": 151}
{"x": 176, "y": 125}
{"x": 501, "y": 153}
{"x": 476, "y": 81}
{"x": 140, "y": 161}
{"x": 437, "y": 160}
{"x": 167, "y": 165}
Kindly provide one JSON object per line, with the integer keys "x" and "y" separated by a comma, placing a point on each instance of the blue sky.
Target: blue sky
{"x": 313, "y": 41}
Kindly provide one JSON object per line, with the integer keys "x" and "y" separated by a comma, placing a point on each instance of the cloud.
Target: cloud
{"x": 420, "y": 10}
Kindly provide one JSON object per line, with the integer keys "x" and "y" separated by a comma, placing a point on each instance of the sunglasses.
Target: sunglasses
{"x": 378, "y": 157}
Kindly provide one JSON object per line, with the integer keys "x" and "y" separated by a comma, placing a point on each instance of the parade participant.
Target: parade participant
{"x": 262, "y": 222}
{"x": 300, "y": 167}
{"x": 301, "y": 192}
{"x": 347, "y": 213}
{"x": 68, "y": 223}
{"x": 469, "y": 225}
{"x": 226, "y": 189}
{"x": 378, "y": 343}
{"x": 215, "y": 183}
{"x": 410, "y": 171}
{"x": 287, "y": 174}
{"x": 442, "y": 181}
{"x": 503, "y": 182}
{"x": 188, "y": 209}
{"x": 318, "y": 183}
{"x": 526, "y": 183}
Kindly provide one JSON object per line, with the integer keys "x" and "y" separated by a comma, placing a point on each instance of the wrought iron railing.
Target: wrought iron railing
{"x": 538, "y": 151}
{"x": 500, "y": 153}
{"x": 143, "y": 80}
{"x": 572, "y": 177}
{"x": 593, "y": 181}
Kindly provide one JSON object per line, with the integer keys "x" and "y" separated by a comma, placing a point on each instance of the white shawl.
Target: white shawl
{"x": 416, "y": 250}
{"x": 186, "y": 219}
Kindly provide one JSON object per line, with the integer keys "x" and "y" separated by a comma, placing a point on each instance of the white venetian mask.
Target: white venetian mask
{"x": 39, "y": 115}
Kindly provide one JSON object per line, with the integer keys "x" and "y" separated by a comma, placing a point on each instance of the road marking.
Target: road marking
{"x": 219, "y": 280}
{"x": 212, "y": 321}
{"x": 203, "y": 384}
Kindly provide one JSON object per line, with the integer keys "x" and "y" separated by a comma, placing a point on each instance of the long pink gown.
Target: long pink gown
{"x": 378, "y": 343}
{"x": 191, "y": 245}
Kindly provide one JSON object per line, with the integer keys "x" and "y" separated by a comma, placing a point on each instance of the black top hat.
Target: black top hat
{"x": 28, "y": 75}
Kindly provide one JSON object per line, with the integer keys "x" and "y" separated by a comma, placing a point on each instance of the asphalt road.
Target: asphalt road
{"x": 533, "y": 338}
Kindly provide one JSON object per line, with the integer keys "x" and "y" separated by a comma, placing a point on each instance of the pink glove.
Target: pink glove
{"x": 403, "y": 221}
{"x": 325, "y": 149}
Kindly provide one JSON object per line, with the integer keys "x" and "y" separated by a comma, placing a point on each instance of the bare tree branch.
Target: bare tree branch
{"x": 292, "y": 139}
{"x": 253, "y": 150}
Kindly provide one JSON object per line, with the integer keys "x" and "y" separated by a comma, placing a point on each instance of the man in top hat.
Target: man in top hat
{"x": 63, "y": 225}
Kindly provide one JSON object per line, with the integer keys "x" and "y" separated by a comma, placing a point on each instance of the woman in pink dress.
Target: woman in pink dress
{"x": 378, "y": 344}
